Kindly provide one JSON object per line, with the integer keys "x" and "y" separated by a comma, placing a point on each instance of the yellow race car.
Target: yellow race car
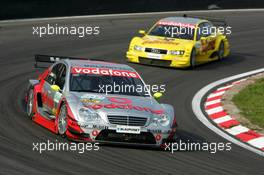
{"x": 180, "y": 42}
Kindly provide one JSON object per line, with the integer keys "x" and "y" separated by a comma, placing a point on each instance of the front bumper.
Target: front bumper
{"x": 158, "y": 59}
{"x": 108, "y": 134}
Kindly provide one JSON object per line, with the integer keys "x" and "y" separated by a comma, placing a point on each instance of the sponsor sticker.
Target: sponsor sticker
{"x": 177, "y": 24}
{"x": 122, "y": 103}
{"x": 127, "y": 129}
{"x": 90, "y": 98}
{"x": 104, "y": 71}
{"x": 154, "y": 55}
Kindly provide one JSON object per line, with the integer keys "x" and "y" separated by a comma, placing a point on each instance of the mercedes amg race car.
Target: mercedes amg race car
{"x": 180, "y": 42}
{"x": 69, "y": 99}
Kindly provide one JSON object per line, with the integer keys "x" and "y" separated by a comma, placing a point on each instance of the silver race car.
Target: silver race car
{"x": 75, "y": 98}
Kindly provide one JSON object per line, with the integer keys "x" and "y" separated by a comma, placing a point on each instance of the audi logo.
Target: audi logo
{"x": 155, "y": 50}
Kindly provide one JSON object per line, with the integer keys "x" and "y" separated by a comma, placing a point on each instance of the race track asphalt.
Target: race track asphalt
{"x": 17, "y": 132}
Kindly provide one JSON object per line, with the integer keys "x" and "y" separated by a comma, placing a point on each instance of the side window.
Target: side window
{"x": 199, "y": 32}
{"x": 60, "y": 81}
{"x": 51, "y": 78}
{"x": 203, "y": 30}
{"x": 207, "y": 29}
{"x": 57, "y": 75}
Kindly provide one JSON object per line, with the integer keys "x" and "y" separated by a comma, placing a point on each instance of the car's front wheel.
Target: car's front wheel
{"x": 193, "y": 58}
{"x": 30, "y": 103}
{"x": 62, "y": 121}
{"x": 221, "y": 50}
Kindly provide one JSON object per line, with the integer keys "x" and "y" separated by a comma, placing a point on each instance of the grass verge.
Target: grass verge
{"x": 250, "y": 102}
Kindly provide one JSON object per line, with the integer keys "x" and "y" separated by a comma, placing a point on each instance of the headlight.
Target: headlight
{"x": 88, "y": 116}
{"x": 162, "y": 120}
{"x": 177, "y": 52}
{"x": 138, "y": 48}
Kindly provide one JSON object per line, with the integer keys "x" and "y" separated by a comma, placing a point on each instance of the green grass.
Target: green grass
{"x": 250, "y": 101}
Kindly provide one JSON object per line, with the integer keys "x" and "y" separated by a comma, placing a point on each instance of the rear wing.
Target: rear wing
{"x": 44, "y": 61}
{"x": 216, "y": 21}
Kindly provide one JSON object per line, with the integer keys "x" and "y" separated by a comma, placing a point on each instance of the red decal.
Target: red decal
{"x": 103, "y": 71}
{"x": 97, "y": 106}
{"x": 120, "y": 100}
{"x": 158, "y": 137}
{"x": 47, "y": 100}
{"x": 176, "y": 24}
{"x": 138, "y": 108}
{"x": 123, "y": 106}
{"x": 95, "y": 133}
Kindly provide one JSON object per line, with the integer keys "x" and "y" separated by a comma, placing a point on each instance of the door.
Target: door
{"x": 50, "y": 97}
{"x": 205, "y": 41}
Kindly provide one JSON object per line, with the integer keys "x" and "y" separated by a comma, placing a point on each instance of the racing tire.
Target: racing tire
{"x": 62, "y": 121}
{"x": 30, "y": 103}
{"x": 193, "y": 59}
{"x": 221, "y": 51}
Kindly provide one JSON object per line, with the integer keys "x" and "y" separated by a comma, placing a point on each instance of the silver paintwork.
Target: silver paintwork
{"x": 75, "y": 102}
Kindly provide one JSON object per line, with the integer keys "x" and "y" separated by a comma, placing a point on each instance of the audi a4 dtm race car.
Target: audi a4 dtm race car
{"x": 180, "y": 42}
{"x": 68, "y": 99}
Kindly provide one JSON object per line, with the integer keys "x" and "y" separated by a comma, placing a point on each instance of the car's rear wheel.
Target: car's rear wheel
{"x": 193, "y": 58}
{"x": 221, "y": 50}
{"x": 30, "y": 103}
{"x": 62, "y": 121}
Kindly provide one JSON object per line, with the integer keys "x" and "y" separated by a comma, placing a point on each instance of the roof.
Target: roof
{"x": 97, "y": 64}
{"x": 185, "y": 20}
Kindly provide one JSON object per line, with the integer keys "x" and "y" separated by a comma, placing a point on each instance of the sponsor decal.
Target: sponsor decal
{"x": 159, "y": 42}
{"x": 90, "y": 98}
{"x": 176, "y": 24}
{"x": 207, "y": 45}
{"x": 47, "y": 99}
{"x": 158, "y": 137}
{"x": 104, "y": 71}
{"x": 100, "y": 127}
{"x": 95, "y": 132}
{"x": 122, "y": 103}
{"x": 91, "y": 126}
{"x": 154, "y": 130}
{"x": 127, "y": 129}
{"x": 120, "y": 100}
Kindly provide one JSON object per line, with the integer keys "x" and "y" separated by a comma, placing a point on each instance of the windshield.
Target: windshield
{"x": 170, "y": 31}
{"x": 107, "y": 84}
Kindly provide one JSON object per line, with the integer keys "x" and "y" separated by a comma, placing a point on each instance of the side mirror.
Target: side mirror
{"x": 55, "y": 88}
{"x": 157, "y": 95}
{"x": 143, "y": 32}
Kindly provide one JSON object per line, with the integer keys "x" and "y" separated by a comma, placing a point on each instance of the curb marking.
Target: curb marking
{"x": 228, "y": 123}
{"x": 243, "y": 137}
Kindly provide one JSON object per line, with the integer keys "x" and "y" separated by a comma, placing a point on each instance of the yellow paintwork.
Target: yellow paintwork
{"x": 157, "y": 95}
{"x": 180, "y": 61}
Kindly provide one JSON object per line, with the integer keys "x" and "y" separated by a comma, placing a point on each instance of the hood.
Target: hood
{"x": 114, "y": 104}
{"x": 164, "y": 43}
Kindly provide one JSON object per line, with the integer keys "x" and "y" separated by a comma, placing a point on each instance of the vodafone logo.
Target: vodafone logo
{"x": 122, "y": 103}
{"x": 100, "y": 71}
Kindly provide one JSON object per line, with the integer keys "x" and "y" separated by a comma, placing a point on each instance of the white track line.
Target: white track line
{"x": 257, "y": 142}
{"x": 223, "y": 119}
{"x": 216, "y": 94}
{"x": 196, "y": 107}
{"x": 129, "y": 14}
{"x": 214, "y": 110}
{"x": 237, "y": 130}
{"x": 212, "y": 102}
{"x": 225, "y": 87}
